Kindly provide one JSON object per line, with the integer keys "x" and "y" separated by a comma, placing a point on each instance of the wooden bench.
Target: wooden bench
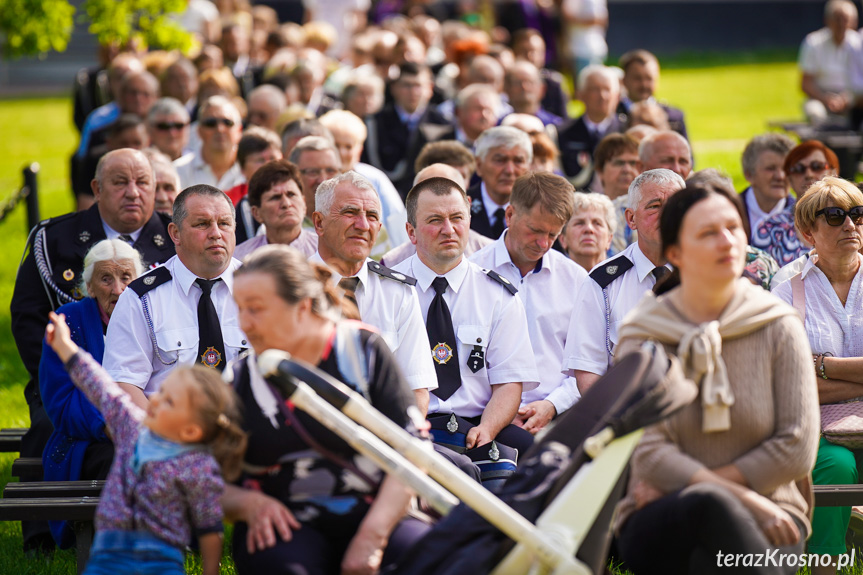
{"x": 838, "y": 495}
{"x": 29, "y": 466}
{"x": 10, "y": 439}
{"x": 72, "y": 501}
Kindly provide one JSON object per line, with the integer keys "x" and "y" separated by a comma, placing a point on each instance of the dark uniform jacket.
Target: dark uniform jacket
{"x": 391, "y": 147}
{"x": 51, "y": 272}
{"x": 577, "y": 146}
{"x": 479, "y": 221}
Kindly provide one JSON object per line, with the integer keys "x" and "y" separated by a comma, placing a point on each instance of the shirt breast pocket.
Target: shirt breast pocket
{"x": 181, "y": 344}
{"x": 234, "y": 338}
{"x": 473, "y": 344}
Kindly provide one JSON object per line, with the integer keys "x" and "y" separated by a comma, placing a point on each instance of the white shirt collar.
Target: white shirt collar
{"x": 425, "y": 275}
{"x": 599, "y": 128}
{"x": 362, "y": 275}
{"x": 502, "y": 256}
{"x": 643, "y": 266}
{"x": 756, "y": 214}
{"x": 112, "y": 234}
{"x": 186, "y": 278}
{"x": 489, "y": 204}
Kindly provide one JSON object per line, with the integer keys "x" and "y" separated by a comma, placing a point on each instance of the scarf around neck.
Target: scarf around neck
{"x": 699, "y": 347}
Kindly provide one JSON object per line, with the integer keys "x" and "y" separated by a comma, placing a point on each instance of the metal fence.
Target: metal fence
{"x": 29, "y": 192}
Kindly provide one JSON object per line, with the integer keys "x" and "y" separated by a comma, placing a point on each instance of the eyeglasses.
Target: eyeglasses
{"x": 165, "y": 126}
{"x": 315, "y": 172}
{"x": 213, "y": 122}
{"x": 816, "y": 167}
{"x": 836, "y": 216}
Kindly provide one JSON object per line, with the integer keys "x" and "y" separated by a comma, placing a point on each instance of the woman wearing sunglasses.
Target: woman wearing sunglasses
{"x": 804, "y": 165}
{"x": 830, "y": 218}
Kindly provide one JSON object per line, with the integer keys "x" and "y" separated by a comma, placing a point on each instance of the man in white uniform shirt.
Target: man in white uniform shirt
{"x": 547, "y": 283}
{"x": 347, "y": 220}
{"x": 484, "y": 361}
{"x": 618, "y": 284}
{"x": 181, "y": 313}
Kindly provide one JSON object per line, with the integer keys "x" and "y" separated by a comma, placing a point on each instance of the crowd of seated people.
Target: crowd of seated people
{"x": 427, "y": 176}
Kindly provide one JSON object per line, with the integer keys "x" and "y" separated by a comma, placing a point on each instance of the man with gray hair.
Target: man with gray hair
{"x": 476, "y": 108}
{"x": 666, "y": 149}
{"x": 599, "y": 89}
{"x": 215, "y": 164}
{"x": 525, "y": 90}
{"x": 503, "y": 154}
{"x": 620, "y": 282}
{"x": 317, "y": 159}
{"x": 763, "y": 167}
{"x": 168, "y": 127}
{"x": 347, "y": 219}
{"x": 181, "y": 313}
{"x": 825, "y": 58}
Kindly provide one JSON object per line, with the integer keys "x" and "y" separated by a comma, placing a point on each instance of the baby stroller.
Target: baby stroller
{"x": 553, "y": 514}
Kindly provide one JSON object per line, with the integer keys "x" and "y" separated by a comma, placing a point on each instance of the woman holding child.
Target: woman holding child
{"x": 720, "y": 475}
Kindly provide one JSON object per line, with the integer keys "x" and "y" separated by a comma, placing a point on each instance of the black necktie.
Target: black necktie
{"x": 660, "y": 273}
{"x": 443, "y": 342}
{"x": 349, "y": 285}
{"x": 211, "y": 346}
{"x": 499, "y": 223}
{"x": 127, "y": 238}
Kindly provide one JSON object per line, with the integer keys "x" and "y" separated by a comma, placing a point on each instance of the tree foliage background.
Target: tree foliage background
{"x": 36, "y": 27}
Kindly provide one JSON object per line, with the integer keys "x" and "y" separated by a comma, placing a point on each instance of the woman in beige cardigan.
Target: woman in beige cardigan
{"x": 718, "y": 477}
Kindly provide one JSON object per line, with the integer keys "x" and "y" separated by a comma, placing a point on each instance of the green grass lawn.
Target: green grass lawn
{"x": 725, "y": 105}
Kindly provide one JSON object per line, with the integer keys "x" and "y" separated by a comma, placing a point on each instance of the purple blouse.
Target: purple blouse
{"x": 173, "y": 499}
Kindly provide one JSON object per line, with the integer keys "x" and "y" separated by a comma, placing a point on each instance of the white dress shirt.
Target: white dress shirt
{"x": 586, "y": 348}
{"x": 548, "y": 293}
{"x": 393, "y": 309}
{"x": 830, "y": 326}
{"x": 193, "y": 170}
{"x": 129, "y": 354}
{"x": 484, "y": 314}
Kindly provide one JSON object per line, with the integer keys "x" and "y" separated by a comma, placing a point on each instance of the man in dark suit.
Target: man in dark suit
{"x": 599, "y": 89}
{"x": 399, "y": 131}
{"x": 641, "y": 78}
{"x": 503, "y": 154}
{"x": 50, "y": 275}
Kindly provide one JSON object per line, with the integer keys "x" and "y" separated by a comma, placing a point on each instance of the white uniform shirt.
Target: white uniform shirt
{"x": 483, "y": 314}
{"x": 548, "y": 294}
{"x": 193, "y": 170}
{"x": 393, "y": 308}
{"x": 129, "y": 354}
{"x": 586, "y": 340}
{"x": 830, "y": 326}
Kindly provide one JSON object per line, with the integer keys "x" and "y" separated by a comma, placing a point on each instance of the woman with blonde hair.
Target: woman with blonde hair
{"x": 828, "y": 294}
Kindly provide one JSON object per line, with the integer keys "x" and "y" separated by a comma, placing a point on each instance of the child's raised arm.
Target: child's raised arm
{"x": 59, "y": 338}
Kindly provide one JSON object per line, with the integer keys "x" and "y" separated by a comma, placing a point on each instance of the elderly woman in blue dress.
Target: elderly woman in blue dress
{"x": 829, "y": 294}
{"x": 79, "y": 448}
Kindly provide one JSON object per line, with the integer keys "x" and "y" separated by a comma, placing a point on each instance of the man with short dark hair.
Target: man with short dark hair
{"x": 181, "y": 313}
{"x": 641, "y": 80}
{"x": 547, "y": 283}
{"x": 397, "y": 133}
{"x": 475, "y": 321}
{"x": 50, "y": 275}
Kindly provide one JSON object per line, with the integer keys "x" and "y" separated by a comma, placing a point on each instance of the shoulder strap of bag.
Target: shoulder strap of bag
{"x": 798, "y": 295}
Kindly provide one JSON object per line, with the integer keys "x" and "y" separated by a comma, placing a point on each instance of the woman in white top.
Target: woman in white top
{"x": 830, "y": 218}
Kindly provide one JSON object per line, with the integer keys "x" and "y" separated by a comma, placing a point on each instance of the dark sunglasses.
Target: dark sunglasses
{"x": 165, "y": 126}
{"x": 816, "y": 166}
{"x": 836, "y": 216}
{"x": 213, "y": 122}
